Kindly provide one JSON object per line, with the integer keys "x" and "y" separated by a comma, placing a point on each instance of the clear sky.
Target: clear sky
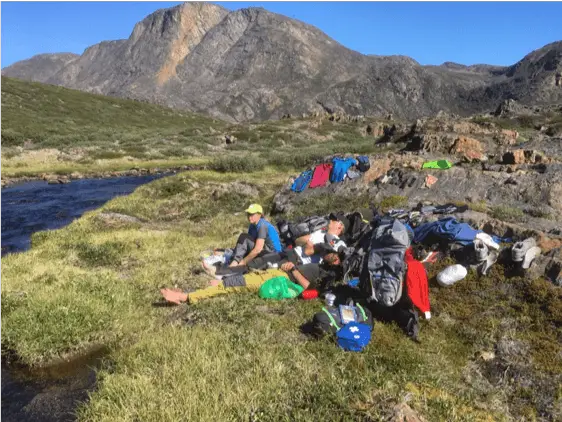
{"x": 498, "y": 33}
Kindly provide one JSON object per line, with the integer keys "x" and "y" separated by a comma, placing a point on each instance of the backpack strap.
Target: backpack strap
{"x": 332, "y": 320}
{"x": 362, "y": 312}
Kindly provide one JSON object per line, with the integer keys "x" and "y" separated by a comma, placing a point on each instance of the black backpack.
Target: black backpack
{"x": 328, "y": 320}
{"x": 358, "y": 227}
{"x": 364, "y": 163}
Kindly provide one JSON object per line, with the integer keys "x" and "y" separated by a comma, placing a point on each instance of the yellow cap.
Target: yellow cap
{"x": 254, "y": 208}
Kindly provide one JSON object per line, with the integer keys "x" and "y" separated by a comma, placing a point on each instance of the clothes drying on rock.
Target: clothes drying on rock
{"x": 437, "y": 164}
{"x": 448, "y": 229}
{"x": 302, "y": 182}
{"x": 321, "y": 175}
{"x": 353, "y": 174}
{"x": 341, "y": 165}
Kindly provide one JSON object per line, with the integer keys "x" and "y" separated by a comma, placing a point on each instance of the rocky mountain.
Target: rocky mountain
{"x": 252, "y": 64}
{"x": 41, "y": 67}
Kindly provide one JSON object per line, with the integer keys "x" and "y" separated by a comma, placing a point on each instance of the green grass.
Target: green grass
{"x": 39, "y": 118}
{"x": 235, "y": 357}
{"x": 507, "y": 213}
{"x": 239, "y": 357}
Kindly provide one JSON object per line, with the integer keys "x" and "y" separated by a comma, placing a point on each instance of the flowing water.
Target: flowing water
{"x": 52, "y": 394}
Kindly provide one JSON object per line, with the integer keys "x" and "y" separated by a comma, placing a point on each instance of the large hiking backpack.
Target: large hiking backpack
{"x": 302, "y": 182}
{"x": 358, "y": 240}
{"x": 308, "y": 225}
{"x": 291, "y": 231}
{"x": 352, "y": 335}
{"x": 384, "y": 270}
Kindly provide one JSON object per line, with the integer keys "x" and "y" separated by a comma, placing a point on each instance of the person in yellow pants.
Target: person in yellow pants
{"x": 307, "y": 276}
{"x": 247, "y": 282}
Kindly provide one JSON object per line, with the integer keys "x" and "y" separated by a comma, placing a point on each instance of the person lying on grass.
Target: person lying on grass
{"x": 309, "y": 276}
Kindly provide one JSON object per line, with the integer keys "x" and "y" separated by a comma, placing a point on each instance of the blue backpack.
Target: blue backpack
{"x": 364, "y": 163}
{"x": 302, "y": 182}
{"x": 352, "y": 336}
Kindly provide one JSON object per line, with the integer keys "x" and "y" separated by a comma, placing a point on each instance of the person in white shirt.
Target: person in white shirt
{"x": 305, "y": 244}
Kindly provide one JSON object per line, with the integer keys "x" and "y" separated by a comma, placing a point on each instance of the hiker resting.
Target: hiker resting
{"x": 314, "y": 247}
{"x": 309, "y": 276}
{"x": 337, "y": 227}
{"x": 262, "y": 238}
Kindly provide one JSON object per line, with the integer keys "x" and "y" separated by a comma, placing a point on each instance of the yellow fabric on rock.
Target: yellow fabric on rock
{"x": 253, "y": 282}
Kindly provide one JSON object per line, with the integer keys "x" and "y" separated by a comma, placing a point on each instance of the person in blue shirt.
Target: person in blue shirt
{"x": 262, "y": 238}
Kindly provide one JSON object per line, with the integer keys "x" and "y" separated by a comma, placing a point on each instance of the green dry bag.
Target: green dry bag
{"x": 279, "y": 288}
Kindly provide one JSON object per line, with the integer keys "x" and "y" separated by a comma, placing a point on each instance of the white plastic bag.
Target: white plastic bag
{"x": 451, "y": 275}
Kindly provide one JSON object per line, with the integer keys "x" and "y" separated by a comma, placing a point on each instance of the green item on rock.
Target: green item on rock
{"x": 280, "y": 288}
{"x": 438, "y": 164}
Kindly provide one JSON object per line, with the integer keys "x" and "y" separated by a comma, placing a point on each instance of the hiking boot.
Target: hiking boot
{"x": 520, "y": 249}
{"x": 481, "y": 251}
{"x": 490, "y": 260}
{"x": 530, "y": 256}
{"x": 488, "y": 241}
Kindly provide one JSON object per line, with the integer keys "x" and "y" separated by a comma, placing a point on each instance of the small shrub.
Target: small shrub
{"x": 300, "y": 161}
{"x": 173, "y": 152}
{"x": 171, "y": 186}
{"x": 105, "y": 254}
{"x": 393, "y": 201}
{"x": 325, "y": 203}
{"x": 105, "y": 155}
{"x": 526, "y": 121}
{"x": 479, "y": 206}
{"x": 505, "y": 213}
{"x": 539, "y": 212}
{"x": 237, "y": 164}
{"x": 9, "y": 153}
{"x": 11, "y": 138}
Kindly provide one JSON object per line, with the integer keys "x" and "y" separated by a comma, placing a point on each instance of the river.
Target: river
{"x": 52, "y": 394}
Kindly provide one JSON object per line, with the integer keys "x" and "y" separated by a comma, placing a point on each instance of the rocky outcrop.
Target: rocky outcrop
{"x": 252, "y": 64}
{"x": 468, "y": 148}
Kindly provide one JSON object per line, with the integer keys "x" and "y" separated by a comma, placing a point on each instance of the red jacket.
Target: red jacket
{"x": 416, "y": 282}
{"x": 321, "y": 175}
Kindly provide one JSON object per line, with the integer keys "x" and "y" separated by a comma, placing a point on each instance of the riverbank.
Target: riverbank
{"x": 57, "y": 173}
{"x": 96, "y": 281}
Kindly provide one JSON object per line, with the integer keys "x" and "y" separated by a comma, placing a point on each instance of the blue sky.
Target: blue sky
{"x": 493, "y": 32}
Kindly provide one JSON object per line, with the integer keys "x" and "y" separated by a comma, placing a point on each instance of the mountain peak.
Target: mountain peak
{"x": 253, "y": 64}
{"x": 192, "y": 22}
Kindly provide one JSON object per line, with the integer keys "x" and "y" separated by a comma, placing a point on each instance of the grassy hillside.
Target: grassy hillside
{"x": 50, "y": 129}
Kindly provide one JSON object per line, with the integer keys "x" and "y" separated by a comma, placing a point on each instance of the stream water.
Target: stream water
{"x": 52, "y": 394}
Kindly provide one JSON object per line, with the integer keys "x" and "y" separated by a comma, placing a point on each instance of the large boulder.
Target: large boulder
{"x": 468, "y": 148}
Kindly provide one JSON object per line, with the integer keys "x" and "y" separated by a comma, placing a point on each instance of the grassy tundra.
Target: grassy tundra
{"x": 239, "y": 357}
